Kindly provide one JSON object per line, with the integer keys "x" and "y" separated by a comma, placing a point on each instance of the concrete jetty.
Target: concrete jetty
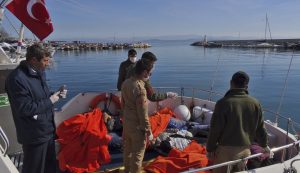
{"x": 260, "y": 43}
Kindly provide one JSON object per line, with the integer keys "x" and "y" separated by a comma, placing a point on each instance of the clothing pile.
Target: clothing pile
{"x": 192, "y": 156}
{"x": 83, "y": 142}
{"x": 176, "y": 140}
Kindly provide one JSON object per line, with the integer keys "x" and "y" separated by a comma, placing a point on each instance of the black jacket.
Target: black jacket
{"x": 123, "y": 70}
{"x": 32, "y": 109}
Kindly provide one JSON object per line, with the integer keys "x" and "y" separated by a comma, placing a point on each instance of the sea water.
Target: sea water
{"x": 182, "y": 65}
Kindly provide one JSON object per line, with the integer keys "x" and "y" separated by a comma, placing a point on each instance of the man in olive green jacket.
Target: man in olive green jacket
{"x": 236, "y": 123}
{"x": 151, "y": 94}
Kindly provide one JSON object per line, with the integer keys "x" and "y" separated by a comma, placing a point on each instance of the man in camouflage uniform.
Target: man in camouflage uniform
{"x": 124, "y": 67}
{"x": 136, "y": 126}
{"x": 151, "y": 94}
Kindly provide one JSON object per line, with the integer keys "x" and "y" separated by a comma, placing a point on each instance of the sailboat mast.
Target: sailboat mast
{"x": 269, "y": 28}
{"x": 114, "y": 38}
{"x": 20, "y": 41}
{"x": 2, "y": 10}
{"x": 266, "y": 27}
{"x": 2, "y": 3}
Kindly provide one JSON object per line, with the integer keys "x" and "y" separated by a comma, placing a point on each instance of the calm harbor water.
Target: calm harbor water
{"x": 181, "y": 65}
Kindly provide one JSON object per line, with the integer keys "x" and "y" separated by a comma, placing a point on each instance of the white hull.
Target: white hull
{"x": 6, "y": 66}
{"x": 6, "y": 165}
{"x": 277, "y": 136}
{"x": 5, "y": 70}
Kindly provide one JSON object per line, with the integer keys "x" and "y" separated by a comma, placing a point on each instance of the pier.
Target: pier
{"x": 77, "y": 45}
{"x": 260, "y": 43}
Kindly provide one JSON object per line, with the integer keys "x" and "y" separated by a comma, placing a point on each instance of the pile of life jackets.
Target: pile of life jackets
{"x": 83, "y": 143}
{"x": 189, "y": 155}
{"x": 193, "y": 156}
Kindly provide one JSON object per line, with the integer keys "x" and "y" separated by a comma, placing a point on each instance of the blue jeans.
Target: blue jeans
{"x": 177, "y": 124}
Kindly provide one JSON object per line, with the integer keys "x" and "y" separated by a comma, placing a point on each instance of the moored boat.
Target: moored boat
{"x": 6, "y": 66}
{"x": 283, "y": 143}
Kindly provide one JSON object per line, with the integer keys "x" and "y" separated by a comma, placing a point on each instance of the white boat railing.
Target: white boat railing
{"x": 182, "y": 89}
{"x": 290, "y": 122}
{"x": 274, "y": 150}
{"x": 5, "y": 140}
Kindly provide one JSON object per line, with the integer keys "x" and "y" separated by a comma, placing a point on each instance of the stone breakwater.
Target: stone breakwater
{"x": 98, "y": 46}
{"x": 274, "y": 43}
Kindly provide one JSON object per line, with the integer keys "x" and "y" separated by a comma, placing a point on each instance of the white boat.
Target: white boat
{"x": 8, "y": 138}
{"x": 284, "y": 144}
{"x": 6, "y": 66}
{"x": 11, "y": 52}
{"x": 265, "y": 44}
{"x": 9, "y": 60}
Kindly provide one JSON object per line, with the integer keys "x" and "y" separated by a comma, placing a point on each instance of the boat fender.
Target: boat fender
{"x": 182, "y": 112}
{"x": 106, "y": 98}
{"x": 201, "y": 114}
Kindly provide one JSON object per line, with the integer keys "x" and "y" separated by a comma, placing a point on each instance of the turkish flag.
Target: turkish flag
{"x": 34, "y": 15}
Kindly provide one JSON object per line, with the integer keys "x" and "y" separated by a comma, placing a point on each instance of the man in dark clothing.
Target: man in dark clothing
{"x": 151, "y": 94}
{"x": 123, "y": 69}
{"x": 32, "y": 107}
{"x": 236, "y": 122}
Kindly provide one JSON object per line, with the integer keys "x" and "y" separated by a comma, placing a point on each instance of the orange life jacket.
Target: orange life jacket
{"x": 193, "y": 156}
{"x": 159, "y": 121}
{"x": 83, "y": 142}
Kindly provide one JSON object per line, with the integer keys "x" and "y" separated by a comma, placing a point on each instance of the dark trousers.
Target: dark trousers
{"x": 40, "y": 158}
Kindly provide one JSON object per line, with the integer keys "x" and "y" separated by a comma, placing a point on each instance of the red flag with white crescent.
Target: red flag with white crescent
{"x": 34, "y": 15}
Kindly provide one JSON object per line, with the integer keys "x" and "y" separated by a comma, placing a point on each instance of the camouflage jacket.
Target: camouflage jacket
{"x": 151, "y": 94}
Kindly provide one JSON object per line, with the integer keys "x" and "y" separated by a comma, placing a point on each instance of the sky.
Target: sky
{"x": 168, "y": 19}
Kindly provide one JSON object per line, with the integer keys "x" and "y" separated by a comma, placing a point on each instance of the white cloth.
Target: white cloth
{"x": 171, "y": 95}
{"x": 150, "y": 137}
{"x": 179, "y": 143}
{"x": 185, "y": 133}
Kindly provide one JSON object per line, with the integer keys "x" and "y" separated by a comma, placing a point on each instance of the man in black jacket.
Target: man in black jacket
{"x": 32, "y": 107}
{"x": 124, "y": 67}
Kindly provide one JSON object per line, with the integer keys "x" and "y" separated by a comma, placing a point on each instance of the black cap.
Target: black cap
{"x": 149, "y": 56}
{"x": 132, "y": 52}
{"x": 240, "y": 79}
